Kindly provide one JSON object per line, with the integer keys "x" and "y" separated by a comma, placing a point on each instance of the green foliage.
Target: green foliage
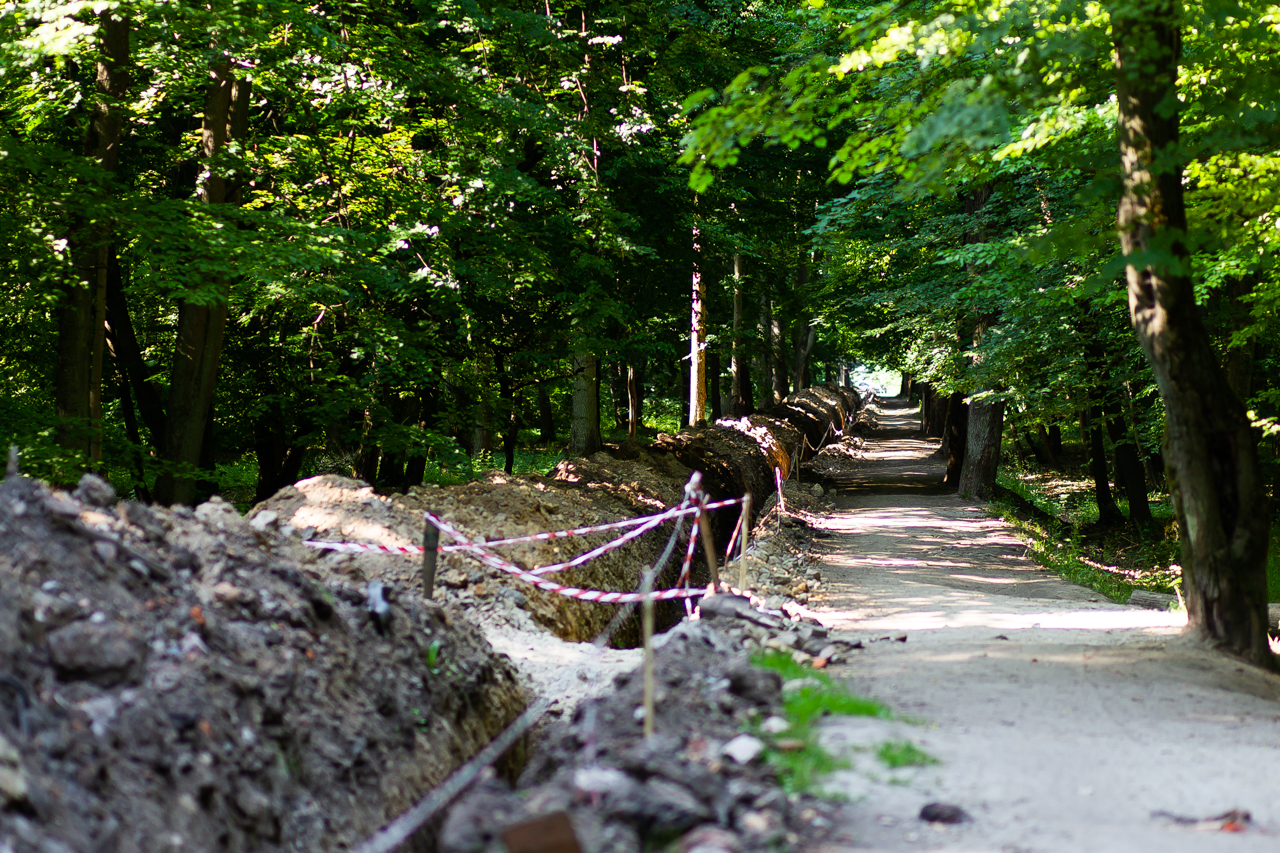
{"x": 901, "y": 753}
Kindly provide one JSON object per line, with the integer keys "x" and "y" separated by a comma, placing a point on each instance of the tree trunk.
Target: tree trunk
{"x": 1109, "y": 514}
{"x": 140, "y": 490}
{"x": 1037, "y": 451}
{"x": 764, "y": 330}
{"x": 982, "y": 451}
{"x": 127, "y": 354}
{"x": 1210, "y": 448}
{"x": 584, "y": 431}
{"x": 743, "y": 399}
{"x": 957, "y": 437}
{"x": 1053, "y": 455}
{"x": 1240, "y": 359}
{"x": 618, "y": 391}
{"x": 633, "y": 402}
{"x": 1129, "y": 470}
{"x": 715, "y": 398}
{"x": 904, "y": 389}
{"x": 936, "y": 407}
{"x": 805, "y": 340}
{"x": 697, "y": 343}
{"x": 81, "y": 309}
{"x": 546, "y": 416}
{"x": 201, "y": 325}
{"x": 779, "y": 369}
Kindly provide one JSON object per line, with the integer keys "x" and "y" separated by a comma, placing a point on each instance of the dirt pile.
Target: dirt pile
{"x": 331, "y": 508}
{"x": 175, "y": 680}
{"x": 699, "y": 779}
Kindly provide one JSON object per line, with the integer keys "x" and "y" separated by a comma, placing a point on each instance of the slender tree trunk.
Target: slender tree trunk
{"x": 508, "y": 409}
{"x": 1210, "y": 447}
{"x": 779, "y": 372}
{"x": 1129, "y": 470}
{"x": 1109, "y": 514}
{"x": 1055, "y": 460}
{"x": 957, "y": 437}
{"x": 743, "y": 402}
{"x": 1240, "y": 359}
{"x": 715, "y": 398}
{"x": 1037, "y": 451}
{"x": 986, "y": 428}
{"x": 633, "y": 403}
{"x": 618, "y": 391}
{"x": 697, "y": 343}
{"x": 546, "y": 416}
{"x": 127, "y": 355}
{"x": 82, "y": 308}
{"x": 584, "y": 431}
{"x": 805, "y": 340}
{"x": 982, "y": 453}
{"x": 202, "y": 325}
{"x": 904, "y": 389}
{"x": 140, "y": 490}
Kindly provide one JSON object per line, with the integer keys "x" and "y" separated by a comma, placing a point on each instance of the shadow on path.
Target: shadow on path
{"x": 1062, "y": 720}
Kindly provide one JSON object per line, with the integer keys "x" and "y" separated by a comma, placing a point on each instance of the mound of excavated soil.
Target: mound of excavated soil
{"x": 624, "y": 793}
{"x": 177, "y": 681}
{"x": 496, "y": 507}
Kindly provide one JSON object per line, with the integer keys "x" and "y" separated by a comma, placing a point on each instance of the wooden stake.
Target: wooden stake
{"x": 646, "y": 623}
{"x": 742, "y": 545}
{"x": 709, "y": 547}
{"x": 430, "y": 552}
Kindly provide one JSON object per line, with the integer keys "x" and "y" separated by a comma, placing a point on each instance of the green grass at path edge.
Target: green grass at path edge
{"x": 801, "y": 769}
{"x": 1062, "y": 557}
{"x": 1058, "y": 551}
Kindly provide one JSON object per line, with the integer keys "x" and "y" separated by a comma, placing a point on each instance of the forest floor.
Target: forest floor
{"x": 1060, "y": 721}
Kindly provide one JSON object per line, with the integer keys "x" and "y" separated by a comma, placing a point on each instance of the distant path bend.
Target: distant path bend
{"x": 1062, "y": 720}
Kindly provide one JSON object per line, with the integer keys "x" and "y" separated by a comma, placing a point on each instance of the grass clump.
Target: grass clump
{"x": 901, "y": 753}
{"x": 795, "y": 754}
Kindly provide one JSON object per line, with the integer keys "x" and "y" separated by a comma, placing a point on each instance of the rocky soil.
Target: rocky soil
{"x": 173, "y": 680}
{"x": 699, "y": 779}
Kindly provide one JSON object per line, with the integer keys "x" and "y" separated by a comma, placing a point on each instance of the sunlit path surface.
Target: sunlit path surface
{"x": 1062, "y": 720}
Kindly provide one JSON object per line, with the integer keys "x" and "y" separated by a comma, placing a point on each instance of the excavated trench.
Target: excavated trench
{"x": 198, "y": 680}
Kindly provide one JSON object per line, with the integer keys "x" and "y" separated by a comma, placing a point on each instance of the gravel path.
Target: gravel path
{"x": 1062, "y": 721}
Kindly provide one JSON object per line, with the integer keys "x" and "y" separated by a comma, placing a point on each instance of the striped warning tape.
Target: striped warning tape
{"x": 484, "y": 555}
{"x": 644, "y": 523}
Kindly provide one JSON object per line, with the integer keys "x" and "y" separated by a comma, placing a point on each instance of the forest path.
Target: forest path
{"x": 1061, "y": 720}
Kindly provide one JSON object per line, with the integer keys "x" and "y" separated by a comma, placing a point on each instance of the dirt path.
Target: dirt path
{"x": 1062, "y": 721}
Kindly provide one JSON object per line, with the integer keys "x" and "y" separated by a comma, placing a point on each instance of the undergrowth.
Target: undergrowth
{"x": 795, "y": 754}
{"x": 1058, "y": 516}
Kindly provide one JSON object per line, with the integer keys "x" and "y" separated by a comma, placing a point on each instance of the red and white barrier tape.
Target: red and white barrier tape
{"x": 362, "y": 548}
{"x": 484, "y": 555}
{"x": 646, "y": 523}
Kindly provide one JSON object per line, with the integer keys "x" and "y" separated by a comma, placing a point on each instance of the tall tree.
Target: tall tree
{"x": 1210, "y": 446}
